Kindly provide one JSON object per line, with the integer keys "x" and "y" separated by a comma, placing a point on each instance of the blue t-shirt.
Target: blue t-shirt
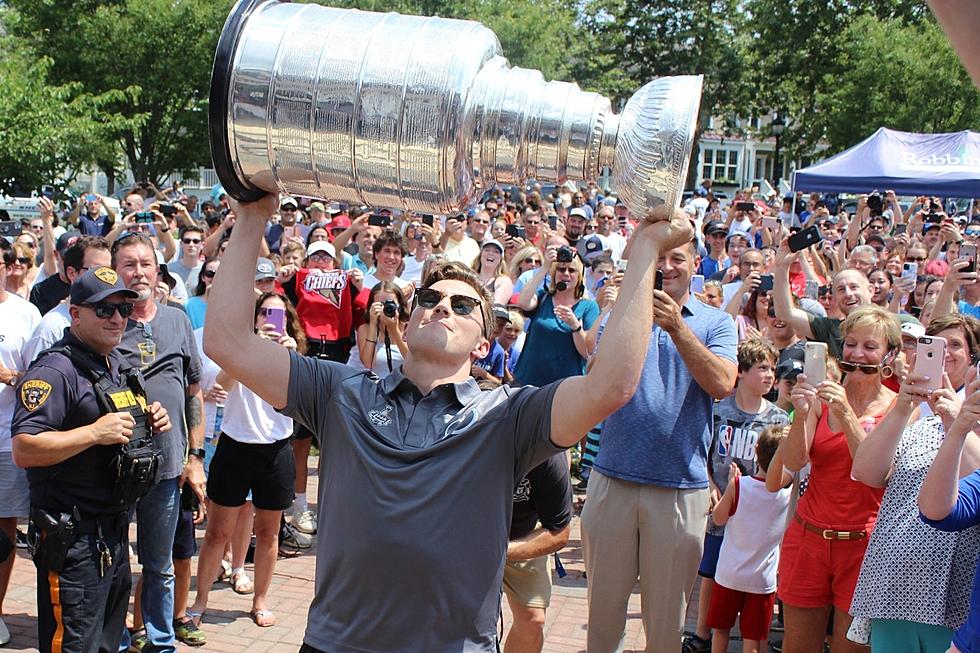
{"x": 965, "y": 514}
{"x": 969, "y": 309}
{"x": 662, "y": 435}
{"x": 709, "y": 266}
{"x": 196, "y": 309}
{"x": 549, "y": 352}
{"x": 493, "y": 362}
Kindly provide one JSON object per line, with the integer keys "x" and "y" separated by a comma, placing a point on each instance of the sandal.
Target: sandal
{"x": 241, "y": 583}
{"x": 224, "y": 574}
{"x": 196, "y": 617}
{"x": 263, "y": 618}
{"x": 138, "y": 640}
{"x": 694, "y": 644}
{"x": 189, "y": 632}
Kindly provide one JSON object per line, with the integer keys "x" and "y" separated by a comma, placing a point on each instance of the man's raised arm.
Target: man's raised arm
{"x": 230, "y": 340}
{"x": 616, "y": 368}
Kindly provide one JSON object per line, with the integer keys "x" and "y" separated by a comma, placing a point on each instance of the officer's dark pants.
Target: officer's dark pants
{"x": 79, "y": 611}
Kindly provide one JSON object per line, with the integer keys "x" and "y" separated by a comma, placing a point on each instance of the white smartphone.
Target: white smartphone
{"x": 930, "y": 361}
{"x": 812, "y": 289}
{"x": 815, "y": 362}
{"x": 771, "y": 223}
{"x": 697, "y": 284}
{"x": 621, "y": 265}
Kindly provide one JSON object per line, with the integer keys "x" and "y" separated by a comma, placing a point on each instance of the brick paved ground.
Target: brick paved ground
{"x": 229, "y": 627}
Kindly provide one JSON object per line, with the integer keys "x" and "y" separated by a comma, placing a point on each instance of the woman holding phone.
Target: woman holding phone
{"x": 915, "y": 580}
{"x": 827, "y": 536}
{"x": 253, "y": 459}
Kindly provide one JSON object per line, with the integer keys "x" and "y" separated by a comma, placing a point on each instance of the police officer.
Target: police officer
{"x": 80, "y": 427}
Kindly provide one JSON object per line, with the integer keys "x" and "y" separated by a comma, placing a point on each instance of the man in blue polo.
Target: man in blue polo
{"x": 653, "y": 459}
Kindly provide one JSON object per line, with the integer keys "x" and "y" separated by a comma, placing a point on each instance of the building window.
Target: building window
{"x": 720, "y": 165}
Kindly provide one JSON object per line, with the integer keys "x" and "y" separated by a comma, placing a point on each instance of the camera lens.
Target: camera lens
{"x": 389, "y": 308}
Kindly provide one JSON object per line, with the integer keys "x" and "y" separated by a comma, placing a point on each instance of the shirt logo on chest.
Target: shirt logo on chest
{"x": 380, "y": 417}
{"x": 329, "y": 284}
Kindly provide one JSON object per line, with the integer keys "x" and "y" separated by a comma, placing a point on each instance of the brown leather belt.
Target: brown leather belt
{"x": 829, "y": 533}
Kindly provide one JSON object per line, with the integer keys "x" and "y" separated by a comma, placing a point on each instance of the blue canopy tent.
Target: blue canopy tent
{"x": 947, "y": 165}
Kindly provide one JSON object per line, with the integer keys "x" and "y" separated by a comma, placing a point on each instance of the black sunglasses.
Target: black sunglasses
{"x": 10, "y": 259}
{"x": 190, "y": 241}
{"x": 104, "y": 310}
{"x": 461, "y": 304}
{"x": 209, "y": 274}
{"x": 846, "y": 366}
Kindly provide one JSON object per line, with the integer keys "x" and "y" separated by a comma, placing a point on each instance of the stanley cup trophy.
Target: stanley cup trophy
{"x": 424, "y": 114}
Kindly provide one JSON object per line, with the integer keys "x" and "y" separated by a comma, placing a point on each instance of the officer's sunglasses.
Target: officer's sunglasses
{"x": 104, "y": 310}
{"x": 461, "y": 304}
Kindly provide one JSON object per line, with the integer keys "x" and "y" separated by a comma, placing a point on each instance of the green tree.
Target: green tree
{"x": 47, "y": 131}
{"x": 160, "y": 51}
{"x": 897, "y": 75}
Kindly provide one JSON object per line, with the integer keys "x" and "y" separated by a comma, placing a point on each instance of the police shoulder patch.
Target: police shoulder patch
{"x": 34, "y": 393}
{"x": 107, "y": 276}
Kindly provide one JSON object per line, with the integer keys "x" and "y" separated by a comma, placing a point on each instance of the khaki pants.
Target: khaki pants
{"x": 632, "y": 530}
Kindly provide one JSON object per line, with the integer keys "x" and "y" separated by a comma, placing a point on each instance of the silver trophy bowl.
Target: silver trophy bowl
{"x": 424, "y": 114}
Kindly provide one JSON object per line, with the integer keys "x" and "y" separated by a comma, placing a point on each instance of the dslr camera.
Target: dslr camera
{"x": 389, "y": 308}
{"x": 875, "y": 203}
{"x": 565, "y": 254}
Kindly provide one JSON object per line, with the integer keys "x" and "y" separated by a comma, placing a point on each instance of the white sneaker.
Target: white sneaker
{"x": 4, "y": 633}
{"x": 305, "y": 522}
{"x": 295, "y": 539}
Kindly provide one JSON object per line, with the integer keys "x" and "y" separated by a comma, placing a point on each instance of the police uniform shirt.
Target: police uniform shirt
{"x": 418, "y": 491}
{"x": 55, "y": 396}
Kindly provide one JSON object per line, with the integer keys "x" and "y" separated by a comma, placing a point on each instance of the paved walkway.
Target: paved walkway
{"x": 230, "y": 629}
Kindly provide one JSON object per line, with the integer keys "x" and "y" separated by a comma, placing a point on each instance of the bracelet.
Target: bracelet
{"x": 165, "y": 230}
{"x": 197, "y": 453}
{"x": 578, "y": 329}
{"x": 372, "y": 341}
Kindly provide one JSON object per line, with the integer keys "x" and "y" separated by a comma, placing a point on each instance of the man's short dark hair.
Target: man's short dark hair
{"x": 74, "y": 256}
{"x": 190, "y": 227}
{"x": 602, "y": 259}
{"x": 390, "y": 238}
{"x": 458, "y": 272}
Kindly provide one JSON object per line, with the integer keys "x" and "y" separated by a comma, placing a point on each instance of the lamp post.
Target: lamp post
{"x": 777, "y": 125}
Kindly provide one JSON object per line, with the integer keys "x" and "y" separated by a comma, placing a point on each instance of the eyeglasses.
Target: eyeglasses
{"x": 846, "y": 366}
{"x": 104, "y": 310}
{"x": 191, "y": 241}
{"x": 208, "y": 274}
{"x": 461, "y": 304}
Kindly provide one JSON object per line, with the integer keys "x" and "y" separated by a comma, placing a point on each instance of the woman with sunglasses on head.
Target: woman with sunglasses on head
{"x": 915, "y": 580}
{"x": 19, "y": 262}
{"x": 827, "y": 536}
{"x": 253, "y": 460}
{"x": 197, "y": 305}
{"x": 557, "y": 344}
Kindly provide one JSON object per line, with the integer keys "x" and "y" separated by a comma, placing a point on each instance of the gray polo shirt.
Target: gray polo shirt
{"x": 416, "y": 498}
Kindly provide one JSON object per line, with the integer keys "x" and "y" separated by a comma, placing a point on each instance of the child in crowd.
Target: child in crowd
{"x": 745, "y": 581}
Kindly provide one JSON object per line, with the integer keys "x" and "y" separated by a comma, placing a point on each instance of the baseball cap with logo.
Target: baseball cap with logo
{"x": 66, "y": 240}
{"x": 593, "y": 247}
{"x": 321, "y": 246}
{"x": 96, "y": 284}
{"x": 264, "y": 269}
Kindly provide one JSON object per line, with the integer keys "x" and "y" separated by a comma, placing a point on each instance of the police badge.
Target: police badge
{"x": 34, "y": 393}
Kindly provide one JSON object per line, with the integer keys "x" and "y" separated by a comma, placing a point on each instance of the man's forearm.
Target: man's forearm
{"x": 714, "y": 374}
{"x": 51, "y": 447}
{"x": 194, "y": 413}
{"x": 537, "y": 543}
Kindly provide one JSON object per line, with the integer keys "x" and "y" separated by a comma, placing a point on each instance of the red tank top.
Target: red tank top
{"x": 833, "y": 499}
{"x": 324, "y": 303}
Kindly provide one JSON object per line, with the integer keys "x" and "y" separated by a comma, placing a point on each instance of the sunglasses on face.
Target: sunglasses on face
{"x": 10, "y": 260}
{"x": 191, "y": 241}
{"x": 461, "y": 304}
{"x": 846, "y": 366}
{"x": 915, "y": 259}
{"x": 288, "y": 209}
{"x": 971, "y": 233}
{"x": 533, "y": 261}
{"x": 104, "y": 310}
{"x": 209, "y": 274}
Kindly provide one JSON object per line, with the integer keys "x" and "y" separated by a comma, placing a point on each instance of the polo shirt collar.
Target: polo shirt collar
{"x": 465, "y": 391}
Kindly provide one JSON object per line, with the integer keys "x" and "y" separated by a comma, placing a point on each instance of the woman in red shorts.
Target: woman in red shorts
{"x": 826, "y": 539}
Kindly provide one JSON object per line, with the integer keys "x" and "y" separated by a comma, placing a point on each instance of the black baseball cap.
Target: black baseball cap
{"x": 714, "y": 227}
{"x": 66, "y": 240}
{"x": 95, "y": 285}
{"x": 789, "y": 369}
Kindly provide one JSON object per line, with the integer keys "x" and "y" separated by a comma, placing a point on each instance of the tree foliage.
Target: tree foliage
{"x": 897, "y": 75}
{"x": 47, "y": 131}
{"x": 159, "y": 51}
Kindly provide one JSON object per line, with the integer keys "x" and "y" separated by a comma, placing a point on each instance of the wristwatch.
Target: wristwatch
{"x": 196, "y": 452}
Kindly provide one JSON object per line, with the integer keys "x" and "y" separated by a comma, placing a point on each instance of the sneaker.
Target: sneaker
{"x": 189, "y": 633}
{"x": 21, "y": 539}
{"x": 305, "y": 522}
{"x": 138, "y": 640}
{"x": 295, "y": 539}
{"x": 694, "y": 644}
{"x": 4, "y": 633}
{"x": 582, "y": 485}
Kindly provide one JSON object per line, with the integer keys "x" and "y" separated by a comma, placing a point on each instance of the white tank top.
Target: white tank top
{"x": 249, "y": 420}
{"x": 749, "y": 553}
